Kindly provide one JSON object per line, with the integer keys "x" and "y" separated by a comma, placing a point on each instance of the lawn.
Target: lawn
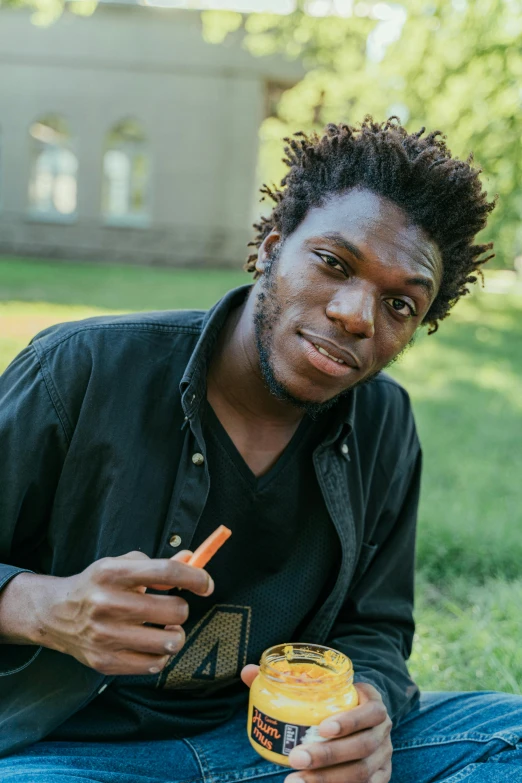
{"x": 466, "y": 386}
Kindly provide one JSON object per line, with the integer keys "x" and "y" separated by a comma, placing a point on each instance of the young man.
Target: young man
{"x": 127, "y": 440}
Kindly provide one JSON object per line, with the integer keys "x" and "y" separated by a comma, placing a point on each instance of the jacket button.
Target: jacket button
{"x": 175, "y": 541}
{"x": 198, "y": 459}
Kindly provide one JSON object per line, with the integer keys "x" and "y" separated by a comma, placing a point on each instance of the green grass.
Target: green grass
{"x": 466, "y": 387}
{"x": 35, "y": 294}
{"x": 468, "y": 635}
{"x": 113, "y": 287}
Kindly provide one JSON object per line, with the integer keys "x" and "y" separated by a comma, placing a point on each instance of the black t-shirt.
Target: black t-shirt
{"x": 269, "y": 577}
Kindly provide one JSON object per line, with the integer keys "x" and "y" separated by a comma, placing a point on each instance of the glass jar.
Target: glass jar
{"x": 298, "y": 686}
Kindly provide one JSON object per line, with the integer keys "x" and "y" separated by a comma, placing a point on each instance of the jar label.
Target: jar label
{"x": 280, "y": 737}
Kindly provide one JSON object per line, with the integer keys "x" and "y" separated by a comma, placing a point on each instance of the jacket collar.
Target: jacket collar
{"x": 193, "y": 385}
{"x": 194, "y": 382}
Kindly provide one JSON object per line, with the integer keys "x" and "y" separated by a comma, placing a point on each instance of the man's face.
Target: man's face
{"x": 355, "y": 279}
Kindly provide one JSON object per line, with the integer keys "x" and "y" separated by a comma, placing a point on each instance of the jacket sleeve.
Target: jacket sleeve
{"x": 375, "y": 625}
{"x": 33, "y": 445}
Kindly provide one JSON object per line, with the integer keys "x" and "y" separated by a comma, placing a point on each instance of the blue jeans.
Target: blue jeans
{"x": 450, "y": 737}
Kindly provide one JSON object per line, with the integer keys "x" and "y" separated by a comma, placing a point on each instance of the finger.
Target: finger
{"x": 382, "y": 775}
{"x": 337, "y": 751}
{"x": 160, "y": 610}
{"x": 151, "y": 641}
{"x": 134, "y": 555}
{"x": 353, "y": 772}
{"x": 132, "y": 609}
{"x": 367, "y": 692}
{"x": 129, "y": 573}
{"x": 365, "y": 716}
{"x": 362, "y": 771}
{"x": 129, "y": 662}
{"x": 182, "y": 557}
{"x": 249, "y": 673}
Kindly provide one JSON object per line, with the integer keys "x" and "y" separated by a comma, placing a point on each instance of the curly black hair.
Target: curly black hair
{"x": 440, "y": 193}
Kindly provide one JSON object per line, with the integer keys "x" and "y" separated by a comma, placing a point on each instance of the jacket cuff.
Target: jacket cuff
{"x": 14, "y": 657}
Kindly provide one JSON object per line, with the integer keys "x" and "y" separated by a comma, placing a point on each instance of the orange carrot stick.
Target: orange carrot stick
{"x": 209, "y": 547}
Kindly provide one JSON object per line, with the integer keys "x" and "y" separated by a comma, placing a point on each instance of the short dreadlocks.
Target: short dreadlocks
{"x": 441, "y": 194}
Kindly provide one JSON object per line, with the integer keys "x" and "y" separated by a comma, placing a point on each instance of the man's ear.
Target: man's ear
{"x": 265, "y": 250}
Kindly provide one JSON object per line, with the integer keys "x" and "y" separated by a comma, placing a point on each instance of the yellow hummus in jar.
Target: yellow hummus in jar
{"x": 298, "y": 686}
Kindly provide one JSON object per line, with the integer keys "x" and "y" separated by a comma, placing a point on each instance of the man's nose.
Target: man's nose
{"x": 355, "y": 310}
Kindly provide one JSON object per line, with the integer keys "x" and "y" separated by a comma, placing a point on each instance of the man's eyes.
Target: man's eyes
{"x": 331, "y": 261}
{"x": 401, "y": 307}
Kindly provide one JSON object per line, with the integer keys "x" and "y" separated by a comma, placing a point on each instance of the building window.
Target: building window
{"x": 54, "y": 170}
{"x": 126, "y": 174}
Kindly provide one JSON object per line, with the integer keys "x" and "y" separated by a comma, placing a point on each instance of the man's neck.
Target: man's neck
{"x": 235, "y": 381}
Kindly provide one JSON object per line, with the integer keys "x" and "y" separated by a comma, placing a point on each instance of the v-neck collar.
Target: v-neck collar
{"x": 257, "y": 483}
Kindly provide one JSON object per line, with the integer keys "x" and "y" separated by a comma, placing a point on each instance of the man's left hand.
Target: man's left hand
{"x": 358, "y": 749}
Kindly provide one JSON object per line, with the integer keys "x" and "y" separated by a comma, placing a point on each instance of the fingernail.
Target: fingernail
{"x": 294, "y": 779}
{"x": 210, "y": 587}
{"x": 156, "y": 669}
{"x": 173, "y": 645}
{"x": 330, "y": 727}
{"x": 299, "y": 758}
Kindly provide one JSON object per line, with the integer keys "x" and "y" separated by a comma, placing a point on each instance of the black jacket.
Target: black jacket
{"x": 98, "y": 425}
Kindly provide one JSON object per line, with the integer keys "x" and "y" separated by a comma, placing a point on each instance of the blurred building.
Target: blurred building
{"x": 125, "y": 137}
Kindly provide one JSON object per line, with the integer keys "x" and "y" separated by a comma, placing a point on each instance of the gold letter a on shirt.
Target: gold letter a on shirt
{"x": 215, "y": 649}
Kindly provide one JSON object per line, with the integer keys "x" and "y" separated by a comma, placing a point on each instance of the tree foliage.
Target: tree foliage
{"x": 45, "y": 12}
{"x": 454, "y": 65}
{"x": 449, "y": 64}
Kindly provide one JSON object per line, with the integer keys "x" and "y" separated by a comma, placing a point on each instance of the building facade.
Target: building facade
{"x": 126, "y": 137}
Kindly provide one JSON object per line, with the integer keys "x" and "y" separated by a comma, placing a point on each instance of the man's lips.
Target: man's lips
{"x": 335, "y": 351}
{"x": 325, "y": 363}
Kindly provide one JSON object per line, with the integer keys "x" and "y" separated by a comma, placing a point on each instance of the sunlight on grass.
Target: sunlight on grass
{"x": 20, "y": 321}
{"x": 468, "y": 637}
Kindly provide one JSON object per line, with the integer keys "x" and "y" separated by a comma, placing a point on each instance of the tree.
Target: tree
{"x": 449, "y": 64}
{"x": 46, "y": 12}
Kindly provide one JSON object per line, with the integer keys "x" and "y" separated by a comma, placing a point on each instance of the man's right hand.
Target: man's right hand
{"x": 98, "y": 616}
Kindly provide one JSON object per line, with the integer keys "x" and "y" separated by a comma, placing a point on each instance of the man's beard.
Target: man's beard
{"x": 267, "y": 314}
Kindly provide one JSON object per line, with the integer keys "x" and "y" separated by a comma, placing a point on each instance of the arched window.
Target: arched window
{"x": 126, "y": 170}
{"x": 54, "y": 169}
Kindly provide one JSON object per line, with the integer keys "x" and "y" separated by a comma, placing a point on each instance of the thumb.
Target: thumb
{"x": 249, "y": 673}
{"x": 183, "y": 556}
